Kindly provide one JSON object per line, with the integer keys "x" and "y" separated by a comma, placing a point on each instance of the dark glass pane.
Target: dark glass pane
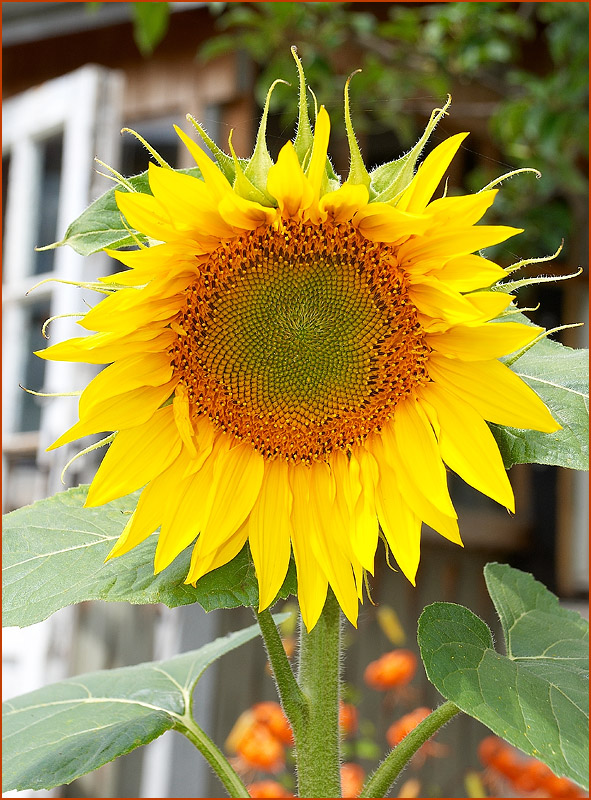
{"x": 5, "y": 171}
{"x": 34, "y": 368}
{"x": 49, "y": 189}
{"x": 21, "y": 480}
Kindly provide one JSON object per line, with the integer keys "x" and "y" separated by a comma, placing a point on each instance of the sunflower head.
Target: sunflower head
{"x": 294, "y": 361}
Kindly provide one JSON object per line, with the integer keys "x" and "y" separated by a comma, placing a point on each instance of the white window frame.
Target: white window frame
{"x": 85, "y": 106}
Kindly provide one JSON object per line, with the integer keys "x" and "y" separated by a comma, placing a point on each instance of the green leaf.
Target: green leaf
{"x": 560, "y": 376}
{"x": 56, "y": 734}
{"x": 101, "y": 224}
{"x": 535, "y": 696}
{"x": 150, "y": 23}
{"x": 54, "y": 552}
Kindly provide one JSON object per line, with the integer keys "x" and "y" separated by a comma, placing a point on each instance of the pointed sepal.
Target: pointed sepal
{"x": 252, "y": 183}
{"x": 224, "y": 161}
{"x": 304, "y": 138}
{"x": 391, "y": 179}
{"x": 357, "y": 170}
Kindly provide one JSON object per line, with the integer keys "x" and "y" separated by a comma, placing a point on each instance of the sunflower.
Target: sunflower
{"x": 294, "y": 362}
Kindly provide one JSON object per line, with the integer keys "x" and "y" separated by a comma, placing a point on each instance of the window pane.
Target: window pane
{"x": 22, "y": 480}
{"x": 5, "y": 171}
{"x": 34, "y": 368}
{"x": 51, "y": 168}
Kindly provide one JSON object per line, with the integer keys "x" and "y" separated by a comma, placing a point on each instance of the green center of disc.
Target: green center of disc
{"x": 296, "y": 337}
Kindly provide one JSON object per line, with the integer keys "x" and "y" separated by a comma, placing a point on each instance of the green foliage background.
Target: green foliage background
{"x": 529, "y": 59}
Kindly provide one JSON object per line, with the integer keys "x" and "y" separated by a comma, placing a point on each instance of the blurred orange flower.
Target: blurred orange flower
{"x": 267, "y": 789}
{"x": 271, "y": 714}
{"x": 396, "y": 668}
{"x": 527, "y": 775}
{"x": 352, "y": 777}
{"x": 402, "y": 727}
{"x": 347, "y": 718}
{"x": 260, "y": 749}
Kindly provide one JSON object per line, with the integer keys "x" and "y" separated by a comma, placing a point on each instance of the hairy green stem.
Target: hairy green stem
{"x": 214, "y": 756}
{"x": 292, "y": 698}
{"x": 380, "y": 782}
{"x": 317, "y": 740}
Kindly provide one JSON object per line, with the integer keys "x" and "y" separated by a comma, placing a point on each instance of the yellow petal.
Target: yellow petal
{"x": 401, "y": 527}
{"x": 416, "y": 196}
{"x": 342, "y": 204}
{"x": 365, "y": 540}
{"x": 205, "y": 438}
{"x": 454, "y": 242}
{"x": 245, "y": 214}
{"x": 348, "y": 490}
{"x": 182, "y": 195}
{"x": 316, "y": 171}
{"x": 103, "y": 348}
{"x": 488, "y": 305}
{"x": 146, "y": 214}
{"x": 336, "y": 514}
{"x": 288, "y": 185}
{"x": 418, "y": 450}
{"x": 438, "y": 302}
{"x": 469, "y": 208}
{"x": 352, "y": 499}
{"x": 148, "y": 515}
{"x": 136, "y": 457}
{"x": 483, "y": 342}
{"x": 236, "y": 482}
{"x": 328, "y": 540}
{"x": 496, "y": 392}
{"x": 134, "y": 372}
{"x": 312, "y": 582}
{"x": 392, "y": 469}
{"x": 214, "y": 179}
{"x": 183, "y": 518}
{"x": 467, "y": 445}
{"x": 192, "y": 204}
{"x": 126, "y": 409}
{"x": 201, "y": 565}
{"x": 130, "y": 309}
{"x": 469, "y": 272}
{"x": 118, "y": 413}
{"x": 380, "y": 222}
{"x": 269, "y": 531}
{"x": 182, "y": 417}
{"x": 156, "y": 257}
{"x": 150, "y": 263}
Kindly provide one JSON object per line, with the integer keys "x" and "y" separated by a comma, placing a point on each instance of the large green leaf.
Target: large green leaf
{"x": 535, "y": 696}
{"x": 101, "y": 224}
{"x": 58, "y": 733}
{"x": 560, "y": 376}
{"x": 54, "y": 552}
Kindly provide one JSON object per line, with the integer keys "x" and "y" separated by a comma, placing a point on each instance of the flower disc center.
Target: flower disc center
{"x": 292, "y": 337}
{"x": 295, "y": 331}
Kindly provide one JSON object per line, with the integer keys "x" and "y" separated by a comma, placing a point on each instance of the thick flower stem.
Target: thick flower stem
{"x": 317, "y": 739}
{"x": 380, "y": 782}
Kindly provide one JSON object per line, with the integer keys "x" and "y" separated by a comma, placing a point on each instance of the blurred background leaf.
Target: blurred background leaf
{"x": 150, "y": 23}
